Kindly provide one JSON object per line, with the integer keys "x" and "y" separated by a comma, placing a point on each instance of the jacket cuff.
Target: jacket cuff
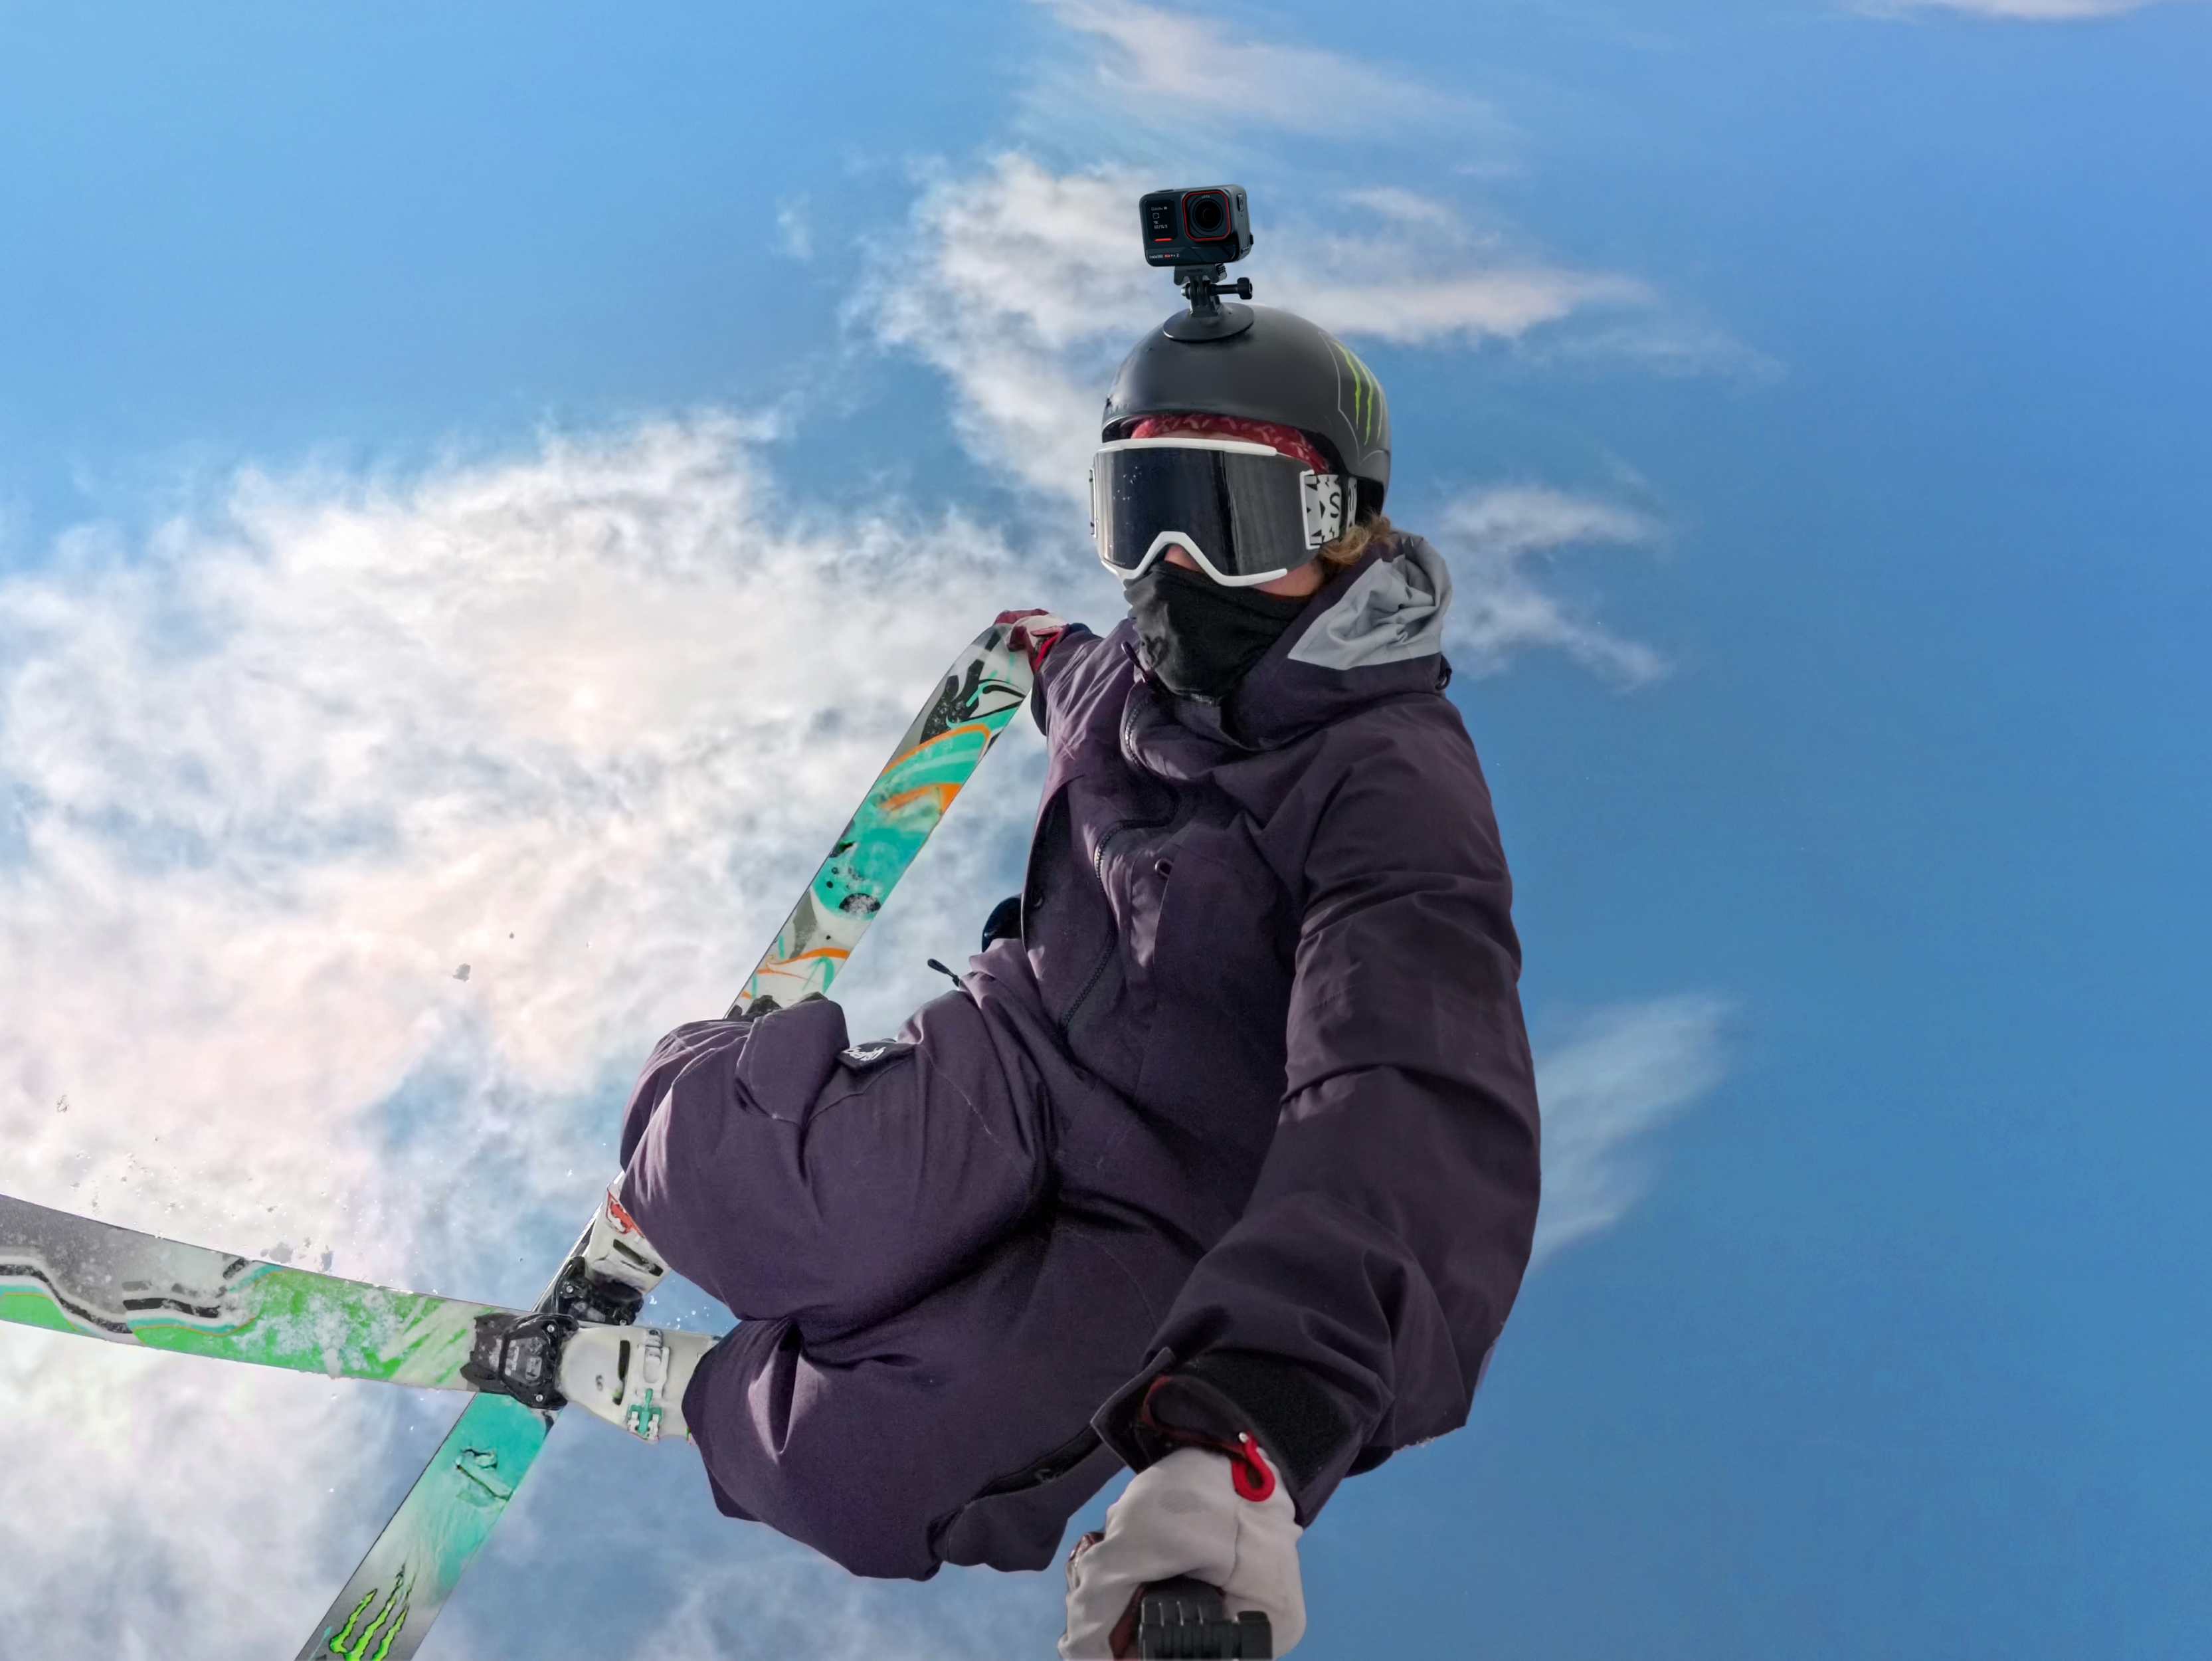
{"x": 1217, "y": 1395}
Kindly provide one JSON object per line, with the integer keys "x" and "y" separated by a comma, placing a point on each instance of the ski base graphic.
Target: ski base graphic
{"x": 433, "y": 1536}
{"x": 72, "y": 1273}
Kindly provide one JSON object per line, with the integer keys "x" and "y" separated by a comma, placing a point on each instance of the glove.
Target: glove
{"x": 1188, "y": 1514}
{"x": 1036, "y": 633}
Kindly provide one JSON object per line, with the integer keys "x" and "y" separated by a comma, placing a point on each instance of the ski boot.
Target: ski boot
{"x": 582, "y": 1344}
{"x": 611, "y": 1271}
{"x": 633, "y": 1377}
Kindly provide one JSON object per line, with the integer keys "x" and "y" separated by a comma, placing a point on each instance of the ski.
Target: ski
{"x": 67, "y": 1272}
{"x": 385, "y": 1611}
{"x": 72, "y": 1273}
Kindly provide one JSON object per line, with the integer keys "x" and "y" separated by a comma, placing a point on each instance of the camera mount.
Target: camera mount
{"x": 1208, "y": 319}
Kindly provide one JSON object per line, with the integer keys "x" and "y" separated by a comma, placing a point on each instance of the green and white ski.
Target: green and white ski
{"x": 72, "y": 1273}
{"x": 386, "y": 1609}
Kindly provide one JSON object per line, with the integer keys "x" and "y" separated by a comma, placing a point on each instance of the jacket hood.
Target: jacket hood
{"x": 1375, "y": 631}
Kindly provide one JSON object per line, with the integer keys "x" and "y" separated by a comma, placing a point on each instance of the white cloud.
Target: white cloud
{"x": 794, "y": 230}
{"x": 278, "y": 778}
{"x": 1505, "y": 302}
{"x": 1617, "y": 1074}
{"x": 162, "y": 1505}
{"x": 1411, "y": 270}
{"x": 1491, "y": 537}
{"x": 1395, "y": 203}
{"x": 584, "y": 722}
{"x": 1023, "y": 288}
{"x": 1155, "y": 61}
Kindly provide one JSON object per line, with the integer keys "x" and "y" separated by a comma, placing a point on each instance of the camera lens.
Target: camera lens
{"x": 1209, "y": 215}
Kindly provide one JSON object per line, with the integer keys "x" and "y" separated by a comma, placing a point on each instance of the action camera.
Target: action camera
{"x": 1207, "y": 225}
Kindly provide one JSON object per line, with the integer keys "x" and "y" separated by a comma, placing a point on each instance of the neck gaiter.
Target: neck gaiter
{"x": 1199, "y": 638}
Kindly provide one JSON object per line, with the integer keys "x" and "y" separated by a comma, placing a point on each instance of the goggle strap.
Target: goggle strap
{"x": 1324, "y": 495}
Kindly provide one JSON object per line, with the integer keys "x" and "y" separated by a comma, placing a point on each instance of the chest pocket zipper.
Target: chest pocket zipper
{"x": 1114, "y": 942}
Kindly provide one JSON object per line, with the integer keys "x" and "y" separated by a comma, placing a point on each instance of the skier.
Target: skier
{"x": 1221, "y": 1162}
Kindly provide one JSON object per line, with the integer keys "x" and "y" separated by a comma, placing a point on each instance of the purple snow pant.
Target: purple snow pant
{"x": 932, "y": 1309}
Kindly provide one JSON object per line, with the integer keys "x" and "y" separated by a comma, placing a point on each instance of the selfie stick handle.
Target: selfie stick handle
{"x": 1185, "y": 1617}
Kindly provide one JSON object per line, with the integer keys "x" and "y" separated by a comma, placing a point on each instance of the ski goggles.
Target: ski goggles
{"x": 1245, "y": 512}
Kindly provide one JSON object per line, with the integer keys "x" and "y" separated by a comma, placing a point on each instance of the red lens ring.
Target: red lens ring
{"x": 1228, "y": 215}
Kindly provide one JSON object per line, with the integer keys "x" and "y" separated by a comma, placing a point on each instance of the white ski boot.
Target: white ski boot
{"x": 633, "y": 1377}
{"x": 582, "y": 1345}
{"x": 615, "y": 1251}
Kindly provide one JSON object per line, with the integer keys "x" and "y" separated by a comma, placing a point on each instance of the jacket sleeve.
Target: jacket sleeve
{"x": 1352, "y": 1308}
{"x": 1075, "y": 643}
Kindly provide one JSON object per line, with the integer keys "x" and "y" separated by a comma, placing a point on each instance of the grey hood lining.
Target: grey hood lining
{"x": 1393, "y": 611}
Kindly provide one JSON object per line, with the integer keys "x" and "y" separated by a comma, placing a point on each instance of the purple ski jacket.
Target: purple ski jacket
{"x": 1281, "y": 929}
{"x": 1247, "y": 1107}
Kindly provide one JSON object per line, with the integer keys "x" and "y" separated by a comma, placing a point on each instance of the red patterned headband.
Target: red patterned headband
{"x": 1289, "y": 439}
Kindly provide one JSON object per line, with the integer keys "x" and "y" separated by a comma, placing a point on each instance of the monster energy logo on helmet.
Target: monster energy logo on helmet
{"x": 1359, "y": 397}
{"x": 1264, "y": 365}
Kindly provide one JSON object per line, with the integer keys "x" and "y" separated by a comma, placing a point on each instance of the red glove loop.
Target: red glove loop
{"x": 1249, "y": 1472}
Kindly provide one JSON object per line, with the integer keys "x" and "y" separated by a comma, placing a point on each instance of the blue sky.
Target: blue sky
{"x": 439, "y": 457}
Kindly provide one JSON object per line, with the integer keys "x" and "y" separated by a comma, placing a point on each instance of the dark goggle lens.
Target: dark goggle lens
{"x": 1145, "y": 492}
{"x": 1242, "y": 511}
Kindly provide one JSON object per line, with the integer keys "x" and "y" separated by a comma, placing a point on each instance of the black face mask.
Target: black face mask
{"x": 1199, "y": 638}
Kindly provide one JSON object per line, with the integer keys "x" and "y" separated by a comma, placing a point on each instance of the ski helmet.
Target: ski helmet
{"x": 1280, "y": 368}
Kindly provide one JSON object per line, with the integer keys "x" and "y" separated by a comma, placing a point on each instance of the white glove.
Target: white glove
{"x": 1184, "y": 1516}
